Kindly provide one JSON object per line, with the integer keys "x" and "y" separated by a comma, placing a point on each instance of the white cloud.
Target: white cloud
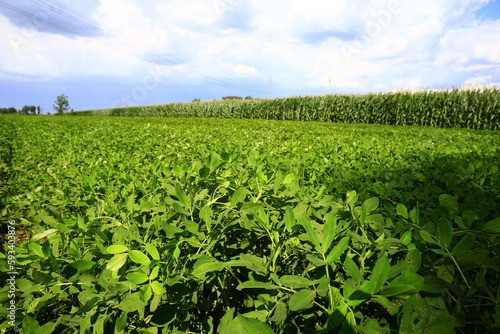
{"x": 304, "y": 46}
{"x": 244, "y": 69}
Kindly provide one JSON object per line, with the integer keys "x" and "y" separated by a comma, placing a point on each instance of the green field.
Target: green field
{"x": 205, "y": 225}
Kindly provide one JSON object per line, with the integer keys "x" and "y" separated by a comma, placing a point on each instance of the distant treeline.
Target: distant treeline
{"x": 26, "y": 110}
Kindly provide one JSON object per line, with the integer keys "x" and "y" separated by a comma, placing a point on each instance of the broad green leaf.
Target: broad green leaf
{"x": 380, "y": 274}
{"x": 401, "y": 290}
{"x": 30, "y": 326}
{"x": 440, "y": 251}
{"x": 263, "y": 217}
{"x": 242, "y": 325}
{"x": 89, "y": 305}
{"x": 206, "y": 214}
{"x": 214, "y": 162}
{"x": 465, "y": 244}
{"x": 473, "y": 257}
{"x": 177, "y": 207}
{"x": 117, "y": 261}
{"x": 154, "y": 273}
{"x": 289, "y": 219}
{"x": 311, "y": 233}
{"x": 371, "y": 326}
{"x": 147, "y": 205}
{"x": 151, "y": 249}
{"x": 257, "y": 314}
{"x": 302, "y": 300}
{"x": 390, "y": 307}
{"x": 294, "y": 282}
{"x": 408, "y": 278}
{"x": 278, "y": 181}
{"x": 493, "y": 226}
{"x": 406, "y": 238}
{"x": 201, "y": 269}
{"x": 157, "y": 288}
{"x": 357, "y": 297}
{"x": 160, "y": 208}
{"x": 444, "y": 232}
{"x": 415, "y": 215}
{"x": 352, "y": 269}
{"x": 239, "y": 196}
{"x": 370, "y": 205}
{"x": 434, "y": 284}
{"x": 145, "y": 293}
{"x": 428, "y": 237}
{"x": 338, "y": 251}
{"x": 256, "y": 285}
{"x": 181, "y": 195}
{"x": 280, "y": 312}
{"x": 137, "y": 277}
{"x": 402, "y": 210}
{"x": 121, "y": 322}
{"x": 82, "y": 265}
{"x": 139, "y": 257}
{"x": 116, "y": 249}
{"x": 252, "y": 262}
{"x": 85, "y": 296}
{"x": 449, "y": 202}
{"x": 376, "y": 222}
{"x": 201, "y": 195}
{"x": 37, "y": 249}
{"x": 164, "y": 315}
{"x": 352, "y": 197}
{"x": 329, "y": 231}
{"x": 289, "y": 178}
{"x": 131, "y": 303}
{"x": 315, "y": 260}
{"x": 43, "y": 234}
{"x": 225, "y": 321}
{"x": 337, "y": 318}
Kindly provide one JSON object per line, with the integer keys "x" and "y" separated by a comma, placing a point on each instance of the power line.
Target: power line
{"x": 94, "y": 2}
{"x": 68, "y": 14}
{"x": 33, "y": 17}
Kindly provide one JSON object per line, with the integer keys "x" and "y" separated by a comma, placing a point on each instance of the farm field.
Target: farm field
{"x": 453, "y": 108}
{"x": 204, "y": 225}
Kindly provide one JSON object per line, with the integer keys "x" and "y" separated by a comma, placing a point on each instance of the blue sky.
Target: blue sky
{"x": 107, "y": 53}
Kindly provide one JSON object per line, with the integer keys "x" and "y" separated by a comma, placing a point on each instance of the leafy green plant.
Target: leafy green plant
{"x": 153, "y": 225}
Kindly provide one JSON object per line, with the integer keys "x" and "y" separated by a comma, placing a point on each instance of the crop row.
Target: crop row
{"x": 472, "y": 109}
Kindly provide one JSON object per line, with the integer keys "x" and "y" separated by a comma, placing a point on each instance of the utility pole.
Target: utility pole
{"x": 329, "y": 83}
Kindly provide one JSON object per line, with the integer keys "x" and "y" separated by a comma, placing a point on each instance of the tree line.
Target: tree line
{"x": 61, "y": 105}
{"x": 26, "y": 110}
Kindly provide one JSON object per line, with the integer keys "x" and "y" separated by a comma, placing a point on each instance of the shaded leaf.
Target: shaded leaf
{"x": 302, "y": 300}
{"x": 294, "y": 282}
{"x": 493, "y": 226}
{"x": 256, "y": 285}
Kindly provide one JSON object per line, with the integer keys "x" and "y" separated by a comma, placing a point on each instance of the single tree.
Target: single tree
{"x": 62, "y": 104}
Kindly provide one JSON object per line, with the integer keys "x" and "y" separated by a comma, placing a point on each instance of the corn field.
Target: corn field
{"x": 455, "y": 108}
